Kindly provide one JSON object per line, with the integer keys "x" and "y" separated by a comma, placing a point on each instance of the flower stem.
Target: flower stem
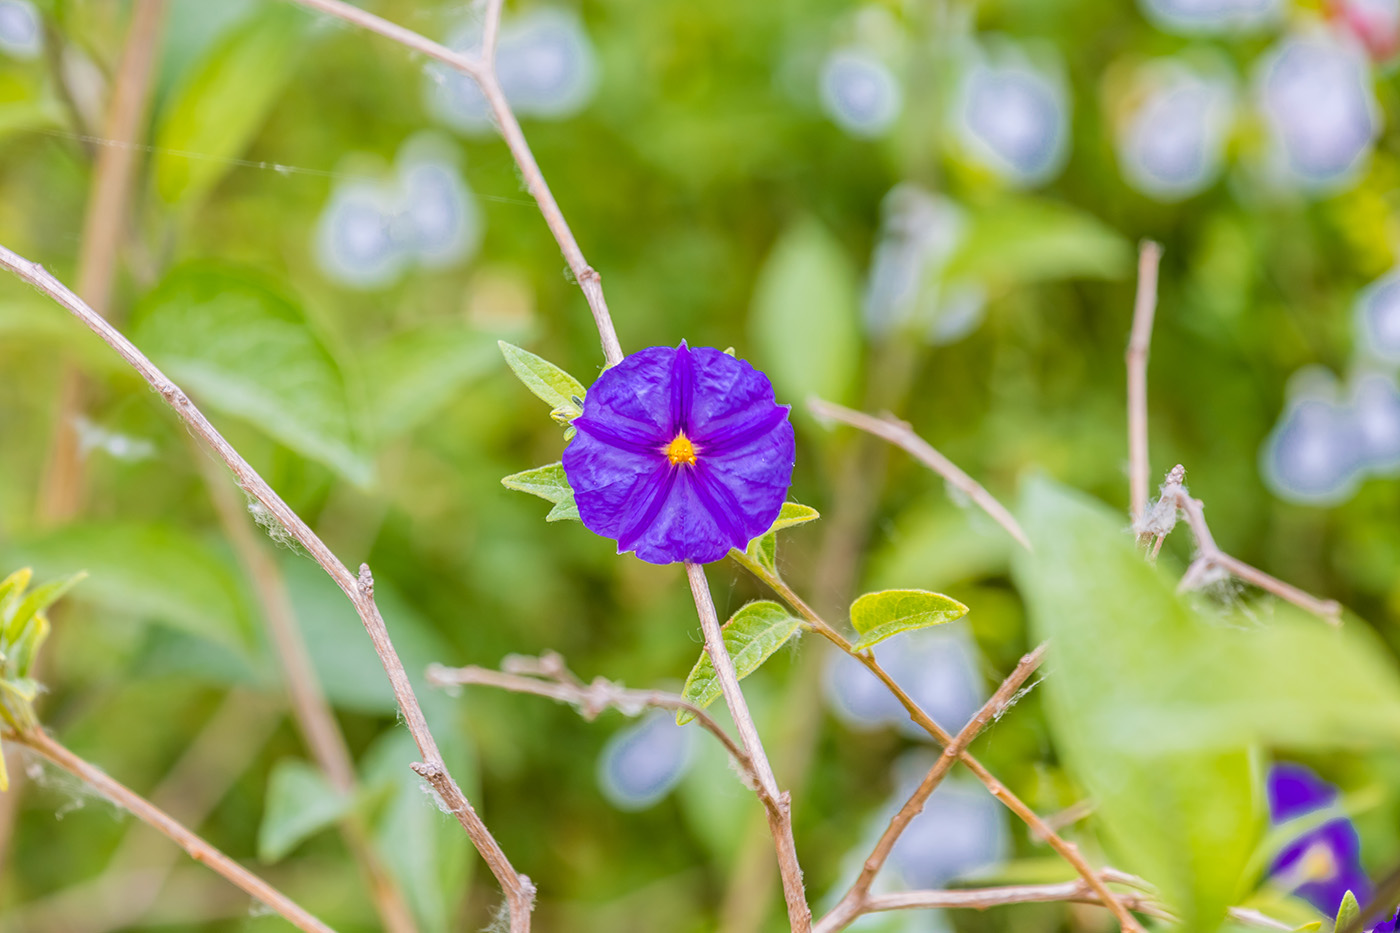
{"x": 776, "y": 803}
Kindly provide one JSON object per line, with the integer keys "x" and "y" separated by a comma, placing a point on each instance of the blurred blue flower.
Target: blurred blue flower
{"x": 1171, "y": 146}
{"x": 859, "y": 92}
{"x": 20, "y": 33}
{"x": 643, "y": 762}
{"x": 1212, "y": 16}
{"x": 1378, "y": 317}
{"x": 545, "y": 63}
{"x": 937, "y": 667}
{"x": 1316, "y": 97}
{"x": 1013, "y": 118}
{"x": 680, "y": 454}
{"x": 1324, "y": 863}
{"x": 373, "y": 229}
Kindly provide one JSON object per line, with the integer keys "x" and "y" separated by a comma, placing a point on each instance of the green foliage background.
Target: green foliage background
{"x": 720, "y": 206}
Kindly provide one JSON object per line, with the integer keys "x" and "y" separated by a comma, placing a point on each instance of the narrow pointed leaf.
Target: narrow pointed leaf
{"x": 550, "y": 483}
{"x": 751, "y": 637}
{"x": 548, "y": 382}
{"x": 36, "y": 602}
{"x": 12, "y": 591}
{"x": 877, "y": 616}
{"x": 27, "y": 645}
{"x": 1347, "y": 912}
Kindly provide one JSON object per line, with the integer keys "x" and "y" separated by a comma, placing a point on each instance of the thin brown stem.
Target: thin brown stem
{"x": 198, "y": 849}
{"x": 855, "y": 901}
{"x": 312, "y": 713}
{"x": 359, "y": 589}
{"x": 589, "y": 699}
{"x": 984, "y": 898}
{"x": 1211, "y": 560}
{"x": 60, "y": 496}
{"x": 482, "y": 70}
{"x": 902, "y": 435}
{"x": 1067, "y": 850}
{"x": 1144, "y": 308}
{"x": 777, "y": 804}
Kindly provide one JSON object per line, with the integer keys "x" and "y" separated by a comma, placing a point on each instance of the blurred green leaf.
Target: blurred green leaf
{"x": 548, "y": 382}
{"x": 424, "y": 848}
{"x": 877, "y": 616}
{"x": 1348, "y": 912}
{"x": 763, "y": 550}
{"x": 299, "y": 804}
{"x": 36, "y": 602}
{"x": 806, "y": 315}
{"x": 222, "y": 103}
{"x": 550, "y": 483}
{"x": 414, "y": 373}
{"x": 151, "y": 572}
{"x": 248, "y": 351}
{"x": 1187, "y": 820}
{"x": 751, "y": 636}
{"x": 1021, "y": 240}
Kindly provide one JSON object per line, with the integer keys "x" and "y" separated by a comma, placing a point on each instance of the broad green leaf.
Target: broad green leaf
{"x": 1021, "y": 240}
{"x": 750, "y": 636}
{"x": 1347, "y": 912}
{"x": 877, "y": 616}
{"x": 548, "y": 382}
{"x": 547, "y": 482}
{"x": 414, "y": 373}
{"x": 763, "y": 550}
{"x": 425, "y": 849}
{"x": 150, "y": 572}
{"x": 806, "y": 315}
{"x": 299, "y": 804}
{"x": 246, "y": 350}
{"x": 222, "y": 103}
{"x": 1189, "y": 820}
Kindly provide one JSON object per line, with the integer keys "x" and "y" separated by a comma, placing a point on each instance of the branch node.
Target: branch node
{"x": 366, "y": 582}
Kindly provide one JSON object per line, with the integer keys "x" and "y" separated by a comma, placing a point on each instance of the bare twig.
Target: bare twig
{"x": 1144, "y": 307}
{"x": 313, "y": 714}
{"x": 1067, "y": 850}
{"x": 902, "y": 435}
{"x": 855, "y": 901}
{"x": 61, "y": 494}
{"x": 777, "y": 803}
{"x": 482, "y": 70}
{"x": 359, "y": 589}
{"x": 1210, "y": 560}
{"x": 523, "y": 675}
{"x": 135, "y": 875}
{"x": 982, "y": 898}
{"x": 198, "y": 849}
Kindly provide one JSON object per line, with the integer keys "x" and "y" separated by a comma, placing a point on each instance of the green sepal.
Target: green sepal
{"x": 1347, "y": 913}
{"x": 549, "y": 483}
{"x": 763, "y": 550}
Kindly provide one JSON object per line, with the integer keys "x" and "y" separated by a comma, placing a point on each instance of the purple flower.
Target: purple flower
{"x": 1321, "y": 865}
{"x": 680, "y": 455}
{"x": 1388, "y": 926}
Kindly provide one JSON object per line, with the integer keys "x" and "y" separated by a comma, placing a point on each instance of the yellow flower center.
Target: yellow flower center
{"x": 680, "y": 450}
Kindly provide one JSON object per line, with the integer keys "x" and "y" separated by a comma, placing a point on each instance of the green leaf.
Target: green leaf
{"x": 1189, "y": 820}
{"x": 218, "y": 110}
{"x": 25, "y": 647}
{"x": 751, "y": 637}
{"x": 12, "y": 591}
{"x": 246, "y": 350}
{"x": 152, "y": 572}
{"x": 299, "y": 804}
{"x": 806, "y": 315}
{"x": 877, "y": 616}
{"x": 547, "y": 482}
{"x": 414, "y": 373}
{"x": 556, "y": 388}
{"x": 763, "y": 550}
{"x": 36, "y": 602}
{"x": 1347, "y": 913}
{"x": 1020, "y": 240}
{"x": 424, "y": 849}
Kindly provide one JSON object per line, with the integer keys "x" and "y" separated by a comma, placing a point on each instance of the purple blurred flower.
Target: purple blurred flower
{"x": 1388, "y": 926}
{"x": 680, "y": 455}
{"x": 1322, "y": 864}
